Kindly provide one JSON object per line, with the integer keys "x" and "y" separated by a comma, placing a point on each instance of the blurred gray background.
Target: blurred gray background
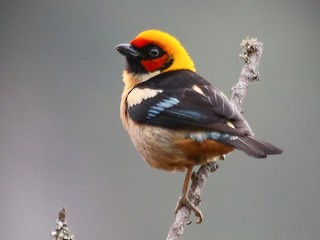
{"x": 62, "y": 142}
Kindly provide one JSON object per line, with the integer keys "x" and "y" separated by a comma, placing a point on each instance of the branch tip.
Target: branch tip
{"x": 248, "y": 46}
{"x": 62, "y": 232}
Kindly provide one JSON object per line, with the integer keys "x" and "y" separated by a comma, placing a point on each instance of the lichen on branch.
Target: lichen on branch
{"x": 62, "y": 232}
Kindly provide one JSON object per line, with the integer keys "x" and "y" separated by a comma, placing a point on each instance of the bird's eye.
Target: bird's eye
{"x": 154, "y": 52}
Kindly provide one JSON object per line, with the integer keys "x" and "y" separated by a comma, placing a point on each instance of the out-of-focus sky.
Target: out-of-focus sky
{"x": 62, "y": 143}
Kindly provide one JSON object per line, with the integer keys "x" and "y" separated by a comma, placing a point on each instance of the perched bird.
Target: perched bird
{"x": 174, "y": 117}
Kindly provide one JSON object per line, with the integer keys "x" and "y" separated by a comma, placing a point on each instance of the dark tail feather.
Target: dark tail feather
{"x": 254, "y": 147}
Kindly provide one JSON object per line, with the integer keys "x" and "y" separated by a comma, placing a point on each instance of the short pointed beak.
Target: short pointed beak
{"x": 127, "y": 50}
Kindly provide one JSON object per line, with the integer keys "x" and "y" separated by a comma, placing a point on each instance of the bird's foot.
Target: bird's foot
{"x": 185, "y": 202}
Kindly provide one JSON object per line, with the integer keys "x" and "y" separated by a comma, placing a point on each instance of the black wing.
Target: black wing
{"x": 187, "y": 101}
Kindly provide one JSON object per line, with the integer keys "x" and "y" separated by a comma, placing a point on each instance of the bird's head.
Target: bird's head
{"x": 153, "y": 52}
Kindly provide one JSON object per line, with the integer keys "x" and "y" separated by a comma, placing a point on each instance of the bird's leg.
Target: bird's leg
{"x": 184, "y": 200}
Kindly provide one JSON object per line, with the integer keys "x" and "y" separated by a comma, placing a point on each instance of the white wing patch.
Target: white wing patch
{"x": 137, "y": 95}
{"x": 230, "y": 124}
{"x": 198, "y": 90}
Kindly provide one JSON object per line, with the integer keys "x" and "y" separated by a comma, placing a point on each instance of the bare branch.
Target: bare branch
{"x": 62, "y": 232}
{"x": 252, "y": 51}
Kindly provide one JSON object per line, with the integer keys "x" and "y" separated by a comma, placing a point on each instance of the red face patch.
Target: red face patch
{"x": 152, "y": 65}
{"x": 140, "y": 42}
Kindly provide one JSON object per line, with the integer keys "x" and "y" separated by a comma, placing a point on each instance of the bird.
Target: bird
{"x": 175, "y": 118}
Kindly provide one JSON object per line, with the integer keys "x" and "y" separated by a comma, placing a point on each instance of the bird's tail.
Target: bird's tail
{"x": 253, "y": 147}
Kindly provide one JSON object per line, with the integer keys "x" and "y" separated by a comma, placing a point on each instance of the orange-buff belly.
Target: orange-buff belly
{"x": 203, "y": 152}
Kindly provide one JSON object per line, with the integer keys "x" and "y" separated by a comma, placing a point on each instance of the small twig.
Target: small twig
{"x": 252, "y": 51}
{"x": 62, "y": 232}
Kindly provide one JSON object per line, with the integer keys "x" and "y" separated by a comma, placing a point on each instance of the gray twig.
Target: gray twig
{"x": 252, "y": 51}
{"x": 62, "y": 232}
